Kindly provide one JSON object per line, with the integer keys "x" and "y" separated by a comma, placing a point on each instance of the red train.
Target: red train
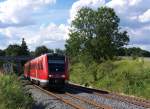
{"x": 48, "y": 69}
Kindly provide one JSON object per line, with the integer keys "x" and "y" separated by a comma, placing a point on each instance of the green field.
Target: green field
{"x": 12, "y": 95}
{"x": 131, "y": 77}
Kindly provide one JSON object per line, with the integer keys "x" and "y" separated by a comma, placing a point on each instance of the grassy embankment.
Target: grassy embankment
{"x": 12, "y": 95}
{"x": 124, "y": 76}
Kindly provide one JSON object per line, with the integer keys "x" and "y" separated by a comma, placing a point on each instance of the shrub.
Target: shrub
{"x": 123, "y": 76}
{"x": 12, "y": 95}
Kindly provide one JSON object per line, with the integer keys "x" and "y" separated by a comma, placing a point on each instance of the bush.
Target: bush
{"x": 123, "y": 76}
{"x": 12, "y": 95}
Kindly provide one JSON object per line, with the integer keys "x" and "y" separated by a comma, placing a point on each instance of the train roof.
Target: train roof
{"x": 54, "y": 54}
{"x": 46, "y": 54}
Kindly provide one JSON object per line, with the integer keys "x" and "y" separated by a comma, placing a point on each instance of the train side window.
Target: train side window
{"x": 31, "y": 66}
{"x": 26, "y": 68}
{"x": 41, "y": 66}
{"x": 34, "y": 66}
{"x": 38, "y": 66}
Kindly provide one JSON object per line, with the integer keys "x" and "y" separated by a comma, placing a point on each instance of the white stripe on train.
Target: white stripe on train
{"x": 41, "y": 80}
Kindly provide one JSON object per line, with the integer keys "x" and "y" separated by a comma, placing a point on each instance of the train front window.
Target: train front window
{"x": 56, "y": 66}
{"x": 56, "y": 63}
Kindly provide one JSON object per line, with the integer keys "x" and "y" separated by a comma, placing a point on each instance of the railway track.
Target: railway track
{"x": 74, "y": 92}
{"x": 75, "y": 101}
{"x": 127, "y": 99}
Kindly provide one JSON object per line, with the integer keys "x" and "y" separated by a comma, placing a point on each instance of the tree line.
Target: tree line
{"x": 133, "y": 51}
{"x": 22, "y": 50}
{"x": 93, "y": 33}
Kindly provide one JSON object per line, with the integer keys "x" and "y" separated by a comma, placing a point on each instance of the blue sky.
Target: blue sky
{"x": 46, "y": 22}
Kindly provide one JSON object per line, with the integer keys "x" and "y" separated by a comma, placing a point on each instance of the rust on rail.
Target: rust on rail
{"x": 60, "y": 98}
{"x": 101, "y": 106}
{"x": 114, "y": 96}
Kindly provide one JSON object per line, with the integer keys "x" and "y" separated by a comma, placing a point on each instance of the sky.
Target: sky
{"x": 46, "y": 22}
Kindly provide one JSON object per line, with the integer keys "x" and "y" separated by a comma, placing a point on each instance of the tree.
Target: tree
{"x": 135, "y": 51}
{"x": 146, "y": 53}
{"x": 50, "y": 51}
{"x": 32, "y": 53}
{"x": 96, "y": 32}
{"x": 17, "y": 50}
{"x": 41, "y": 50}
{"x": 2, "y": 52}
{"x": 24, "y": 48}
{"x": 59, "y": 51}
{"x": 13, "y": 50}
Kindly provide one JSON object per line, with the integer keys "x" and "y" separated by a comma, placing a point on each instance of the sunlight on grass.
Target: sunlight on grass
{"x": 12, "y": 95}
{"x": 124, "y": 76}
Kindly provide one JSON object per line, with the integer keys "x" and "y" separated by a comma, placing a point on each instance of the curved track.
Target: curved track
{"x": 76, "y": 96}
{"x": 132, "y": 100}
{"x": 75, "y": 101}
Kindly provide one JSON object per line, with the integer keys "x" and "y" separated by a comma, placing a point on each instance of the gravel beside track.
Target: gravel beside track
{"x": 84, "y": 102}
{"x": 45, "y": 101}
{"x": 101, "y": 98}
{"x": 74, "y": 100}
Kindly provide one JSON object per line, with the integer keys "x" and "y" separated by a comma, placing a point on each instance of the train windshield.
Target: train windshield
{"x": 56, "y": 65}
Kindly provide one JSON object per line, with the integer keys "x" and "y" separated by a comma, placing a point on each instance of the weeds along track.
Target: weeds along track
{"x": 114, "y": 96}
{"x": 75, "y": 101}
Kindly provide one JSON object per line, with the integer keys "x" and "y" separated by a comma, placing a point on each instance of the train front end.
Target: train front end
{"x": 57, "y": 70}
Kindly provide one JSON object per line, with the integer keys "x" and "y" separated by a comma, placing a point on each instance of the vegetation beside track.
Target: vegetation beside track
{"x": 123, "y": 76}
{"x": 95, "y": 40}
{"x": 12, "y": 95}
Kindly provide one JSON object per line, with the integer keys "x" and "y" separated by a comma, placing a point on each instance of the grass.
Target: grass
{"x": 12, "y": 95}
{"x": 130, "y": 77}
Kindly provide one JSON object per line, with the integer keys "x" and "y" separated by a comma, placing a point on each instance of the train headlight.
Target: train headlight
{"x": 50, "y": 75}
{"x": 63, "y": 76}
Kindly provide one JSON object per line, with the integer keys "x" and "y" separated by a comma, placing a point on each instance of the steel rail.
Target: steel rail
{"x": 92, "y": 102}
{"x": 60, "y": 98}
{"x": 124, "y": 99}
{"x": 114, "y": 96}
{"x": 135, "y": 101}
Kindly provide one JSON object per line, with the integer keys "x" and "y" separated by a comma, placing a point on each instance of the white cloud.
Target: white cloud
{"x": 53, "y": 35}
{"x": 134, "y": 16}
{"x": 84, "y": 3}
{"x": 142, "y": 46}
{"x": 17, "y": 19}
{"x": 139, "y": 36}
{"x": 145, "y": 17}
{"x": 126, "y": 9}
{"x": 15, "y": 12}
